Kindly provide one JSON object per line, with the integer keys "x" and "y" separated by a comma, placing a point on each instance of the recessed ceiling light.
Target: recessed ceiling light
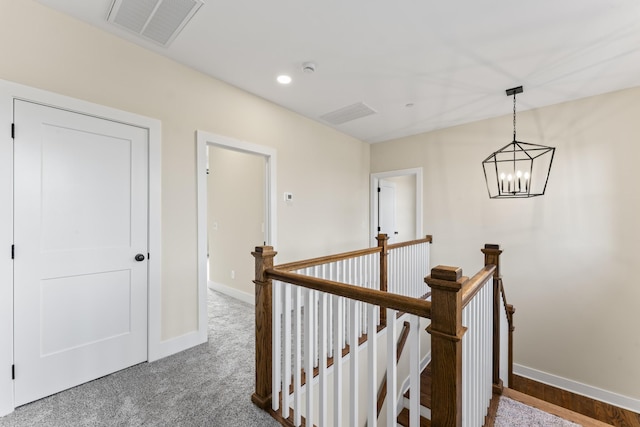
{"x": 284, "y": 79}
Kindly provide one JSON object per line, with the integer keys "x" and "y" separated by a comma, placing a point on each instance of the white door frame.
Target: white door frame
{"x": 375, "y": 178}
{"x": 204, "y": 139}
{"x": 8, "y": 92}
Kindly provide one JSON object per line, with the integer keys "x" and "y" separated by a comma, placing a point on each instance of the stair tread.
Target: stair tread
{"x": 403, "y": 419}
{"x": 425, "y": 388}
{"x": 550, "y": 408}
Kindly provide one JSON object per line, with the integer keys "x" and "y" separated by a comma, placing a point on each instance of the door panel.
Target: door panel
{"x": 80, "y": 219}
{"x": 74, "y": 210}
{"x": 387, "y": 209}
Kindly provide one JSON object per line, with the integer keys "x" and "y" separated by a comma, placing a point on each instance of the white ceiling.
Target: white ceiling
{"x": 451, "y": 59}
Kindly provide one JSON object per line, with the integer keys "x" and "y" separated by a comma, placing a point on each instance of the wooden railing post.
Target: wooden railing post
{"x": 264, "y": 260}
{"x": 383, "y": 241}
{"x": 510, "y": 312}
{"x": 446, "y": 345}
{"x": 492, "y": 257}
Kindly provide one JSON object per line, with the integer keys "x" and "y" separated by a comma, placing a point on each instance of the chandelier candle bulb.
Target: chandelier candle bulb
{"x": 509, "y": 179}
{"x": 502, "y": 177}
{"x": 519, "y": 175}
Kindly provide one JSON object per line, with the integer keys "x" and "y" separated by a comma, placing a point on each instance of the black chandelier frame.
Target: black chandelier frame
{"x": 516, "y": 182}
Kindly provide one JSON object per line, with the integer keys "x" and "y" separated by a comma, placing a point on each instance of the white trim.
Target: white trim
{"x": 6, "y": 239}
{"x": 154, "y": 332}
{"x": 8, "y": 92}
{"x": 375, "y": 178}
{"x": 202, "y": 140}
{"x": 178, "y": 344}
{"x": 576, "y": 387}
{"x": 233, "y": 292}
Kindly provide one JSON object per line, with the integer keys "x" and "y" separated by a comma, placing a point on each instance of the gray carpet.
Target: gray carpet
{"x": 512, "y": 413}
{"x": 208, "y": 385}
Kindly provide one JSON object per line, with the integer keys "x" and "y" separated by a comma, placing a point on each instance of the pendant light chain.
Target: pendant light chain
{"x": 514, "y": 117}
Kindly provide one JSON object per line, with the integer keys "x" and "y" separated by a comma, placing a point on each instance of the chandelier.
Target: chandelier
{"x": 519, "y": 169}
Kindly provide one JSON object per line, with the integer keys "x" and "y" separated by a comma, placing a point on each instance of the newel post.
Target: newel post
{"x": 446, "y": 345}
{"x": 264, "y": 260}
{"x": 492, "y": 257}
{"x": 383, "y": 241}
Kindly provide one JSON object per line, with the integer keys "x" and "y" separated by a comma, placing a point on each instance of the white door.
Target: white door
{"x": 387, "y": 209}
{"x": 80, "y": 220}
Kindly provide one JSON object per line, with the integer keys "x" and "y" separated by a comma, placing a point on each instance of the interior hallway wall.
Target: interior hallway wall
{"x": 570, "y": 256}
{"x": 48, "y": 50}
{"x": 236, "y": 213}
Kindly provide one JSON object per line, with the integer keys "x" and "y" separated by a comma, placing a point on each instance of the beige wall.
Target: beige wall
{"x": 570, "y": 256}
{"x": 236, "y": 202}
{"x": 327, "y": 170}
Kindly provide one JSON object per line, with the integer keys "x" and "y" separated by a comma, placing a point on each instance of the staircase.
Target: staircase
{"x": 425, "y": 401}
{"x": 425, "y": 405}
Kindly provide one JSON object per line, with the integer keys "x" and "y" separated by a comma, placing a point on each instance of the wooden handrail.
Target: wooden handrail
{"x": 427, "y": 239}
{"x": 297, "y": 265}
{"x": 371, "y": 296}
{"x": 472, "y": 286}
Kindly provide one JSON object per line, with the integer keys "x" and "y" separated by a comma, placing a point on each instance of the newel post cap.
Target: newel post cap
{"x": 264, "y": 251}
{"x": 491, "y": 248}
{"x": 445, "y": 277}
{"x": 381, "y": 237}
{"x": 444, "y": 272}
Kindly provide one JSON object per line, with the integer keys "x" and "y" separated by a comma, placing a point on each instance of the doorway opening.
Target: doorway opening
{"x": 236, "y": 211}
{"x": 396, "y": 205}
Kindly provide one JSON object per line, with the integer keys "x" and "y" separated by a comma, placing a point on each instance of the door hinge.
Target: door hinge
{"x": 378, "y": 189}
{"x": 379, "y": 229}
{"x": 13, "y": 372}
{"x": 13, "y": 130}
{"x": 13, "y": 251}
{"x": 148, "y": 256}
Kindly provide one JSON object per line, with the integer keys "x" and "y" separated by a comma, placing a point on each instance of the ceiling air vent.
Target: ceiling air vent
{"x": 348, "y": 113}
{"x": 159, "y": 21}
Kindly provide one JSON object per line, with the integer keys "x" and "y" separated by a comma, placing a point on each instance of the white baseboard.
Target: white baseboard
{"x": 578, "y": 388}
{"x": 178, "y": 344}
{"x": 233, "y": 293}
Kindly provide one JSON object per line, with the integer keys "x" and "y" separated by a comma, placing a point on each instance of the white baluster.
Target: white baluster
{"x": 276, "y": 338}
{"x": 322, "y": 373}
{"x": 309, "y": 352}
{"x": 338, "y": 340}
{"x": 316, "y": 356}
{"x": 414, "y": 371}
{"x": 392, "y": 368}
{"x": 297, "y": 366}
{"x": 354, "y": 328}
{"x": 286, "y": 359}
{"x": 330, "y": 313}
{"x": 372, "y": 347}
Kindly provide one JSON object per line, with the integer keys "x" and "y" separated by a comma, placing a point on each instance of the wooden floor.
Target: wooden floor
{"x": 583, "y": 405}
{"x": 550, "y": 408}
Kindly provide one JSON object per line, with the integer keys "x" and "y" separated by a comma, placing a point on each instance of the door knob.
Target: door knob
{"x": 139, "y": 257}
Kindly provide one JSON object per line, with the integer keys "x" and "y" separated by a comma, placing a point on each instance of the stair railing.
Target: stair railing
{"x": 471, "y": 342}
{"x": 318, "y": 314}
